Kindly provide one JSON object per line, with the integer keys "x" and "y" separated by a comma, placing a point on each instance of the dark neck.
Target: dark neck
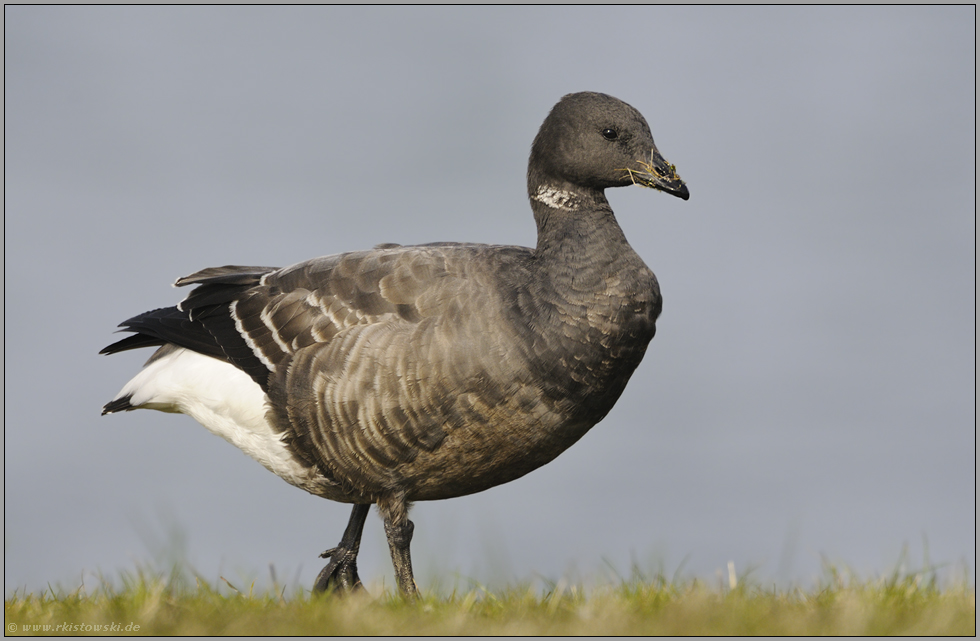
{"x": 601, "y": 298}
{"x": 576, "y": 226}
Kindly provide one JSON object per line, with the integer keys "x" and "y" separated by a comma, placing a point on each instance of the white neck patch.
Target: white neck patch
{"x": 556, "y": 198}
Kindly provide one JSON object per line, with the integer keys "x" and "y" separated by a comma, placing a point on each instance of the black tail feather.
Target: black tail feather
{"x": 132, "y": 342}
{"x": 203, "y": 322}
{"x": 166, "y": 325}
{"x": 118, "y": 405}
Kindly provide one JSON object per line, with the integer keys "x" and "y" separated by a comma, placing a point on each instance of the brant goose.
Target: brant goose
{"x": 404, "y": 374}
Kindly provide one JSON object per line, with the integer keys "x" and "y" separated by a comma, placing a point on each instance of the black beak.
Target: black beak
{"x": 657, "y": 173}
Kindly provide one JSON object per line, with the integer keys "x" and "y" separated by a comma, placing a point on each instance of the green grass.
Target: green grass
{"x": 911, "y": 604}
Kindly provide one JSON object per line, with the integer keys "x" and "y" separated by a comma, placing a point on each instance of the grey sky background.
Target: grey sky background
{"x": 809, "y": 396}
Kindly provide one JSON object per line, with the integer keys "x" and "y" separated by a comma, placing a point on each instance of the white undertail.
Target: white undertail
{"x": 226, "y": 401}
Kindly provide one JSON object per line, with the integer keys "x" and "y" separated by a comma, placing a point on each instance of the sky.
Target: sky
{"x": 809, "y": 398}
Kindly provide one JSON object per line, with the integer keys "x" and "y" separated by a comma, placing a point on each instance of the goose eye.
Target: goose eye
{"x": 609, "y": 134}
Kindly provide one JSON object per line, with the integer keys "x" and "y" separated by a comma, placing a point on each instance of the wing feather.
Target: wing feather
{"x": 370, "y": 360}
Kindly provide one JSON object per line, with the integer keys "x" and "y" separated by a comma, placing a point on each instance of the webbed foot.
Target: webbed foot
{"x": 341, "y": 573}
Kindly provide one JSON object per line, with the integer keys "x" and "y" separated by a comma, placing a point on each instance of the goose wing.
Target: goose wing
{"x": 368, "y": 359}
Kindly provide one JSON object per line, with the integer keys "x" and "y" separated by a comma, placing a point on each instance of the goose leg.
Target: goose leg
{"x": 399, "y": 539}
{"x": 394, "y": 510}
{"x": 341, "y": 572}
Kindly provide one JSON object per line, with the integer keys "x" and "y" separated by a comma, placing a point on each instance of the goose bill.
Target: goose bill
{"x": 657, "y": 173}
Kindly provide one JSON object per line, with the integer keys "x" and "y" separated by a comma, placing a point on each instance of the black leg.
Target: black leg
{"x": 399, "y": 539}
{"x": 341, "y": 572}
{"x": 394, "y": 510}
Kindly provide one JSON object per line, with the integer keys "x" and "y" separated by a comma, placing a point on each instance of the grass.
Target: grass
{"x": 159, "y": 605}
